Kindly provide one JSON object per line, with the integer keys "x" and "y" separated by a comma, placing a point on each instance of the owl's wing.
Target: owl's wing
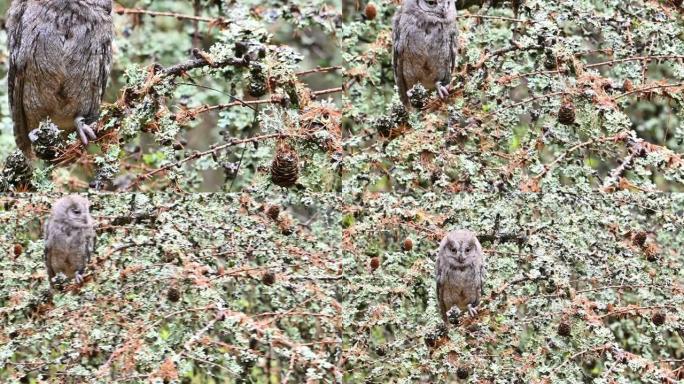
{"x": 453, "y": 49}
{"x": 105, "y": 59}
{"x": 90, "y": 246}
{"x": 98, "y": 67}
{"x": 440, "y": 290}
{"x": 397, "y": 63}
{"x": 18, "y": 57}
{"x": 482, "y": 279}
{"x": 46, "y": 250}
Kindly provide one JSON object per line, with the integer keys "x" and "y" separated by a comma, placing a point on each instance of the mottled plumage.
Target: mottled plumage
{"x": 425, "y": 45}
{"x": 60, "y": 54}
{"x": 459, "y": 272}
{"x": 69, "y": 235}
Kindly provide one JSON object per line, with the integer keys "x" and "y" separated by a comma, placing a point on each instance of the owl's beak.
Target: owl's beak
{"x": 461, "y": 257}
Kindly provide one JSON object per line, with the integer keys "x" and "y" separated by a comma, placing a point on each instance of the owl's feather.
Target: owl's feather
{"x": 60, "y": 54}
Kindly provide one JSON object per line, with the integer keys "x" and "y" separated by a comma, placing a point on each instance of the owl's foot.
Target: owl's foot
{"x": 442, "y": 91}
{"x": 84, "y": 130}
{"x": 472, "y": 310}
{"x": 79, "y": 278}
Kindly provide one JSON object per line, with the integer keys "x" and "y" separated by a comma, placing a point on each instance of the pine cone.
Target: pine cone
{"x": 462, "y": 373}
{"x": 432, "y": 339}
{"x": 399, "y": 114}
{"x": 566, "y": 114}
{"x": 257, "y": 80}
{"x": 285, "y": 167}
{"x": 564, "y": 329}
{"x": 549, "y": 60}
{"x": 268, "y": 278}
{"x": 658, "y": 318}
{"x": 383, "y": 125}
{"x": 374, "y": 263}
{"x": 17, "y": 170}
{"x": 173, "y": 295}
{"x": 454, "y": 315}
{"x": 46, "y": 140}
{"x": 371, "y": 11}
{"x": 407, "y": 245}
{"x": 418, "y": 96}
{"x": 273, "y": 212}
{"x": 640, "y": 238}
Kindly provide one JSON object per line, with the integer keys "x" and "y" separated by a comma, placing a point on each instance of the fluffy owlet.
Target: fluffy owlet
{"x": 69, "y": 235}
{"x": 60, "y": 55}
{"x": 460, "y": 271}
{"x": 425, "y": 45}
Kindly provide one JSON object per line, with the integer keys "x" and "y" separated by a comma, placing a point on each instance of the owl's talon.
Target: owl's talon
{"x": 442, "y": 91}
{"x": 84, "y": 131}
{"x": 472, "y": 311}
{"x": 79, "y": 278}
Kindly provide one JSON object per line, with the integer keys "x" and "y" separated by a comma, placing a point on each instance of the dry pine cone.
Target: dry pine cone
{"x": 285, "y": 167}
{"x": 566, "y": 114}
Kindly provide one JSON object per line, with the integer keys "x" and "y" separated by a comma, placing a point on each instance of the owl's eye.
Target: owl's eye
{"x": 468, "y": 249}
{"x": 76, "y": 211}
{"x": 431, "y": 3}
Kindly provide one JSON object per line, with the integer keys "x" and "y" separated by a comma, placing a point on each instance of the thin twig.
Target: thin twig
{"x": 136, "y": 11}
{"x": 318, "y": 70}
{"x": 635, "y": 58}
{"x": 327, "y": 91}
{"x": 531, "y": 99}
{"x": 323, "y": 278}
{"x": 462, "y": 16}
{"x": 648, "y": 88}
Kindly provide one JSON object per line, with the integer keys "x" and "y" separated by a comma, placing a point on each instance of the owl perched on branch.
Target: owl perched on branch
{"x": 459, "y": 272}
{"x": 69, "y": 235}
{"x": 60, "y": 55}
{"x": 424, "y": 45}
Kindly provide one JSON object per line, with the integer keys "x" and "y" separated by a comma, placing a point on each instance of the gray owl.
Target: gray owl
{"x": 60, "y": 55}
{"x": 460, "y": 272}
{"x": 69, "y": 235}
{"x": 425, "y": 45}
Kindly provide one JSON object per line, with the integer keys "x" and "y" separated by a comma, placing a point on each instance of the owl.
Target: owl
{"x": 60, "y": 55}
{"x": 424, "y": 45}
{"x": 69, "y": 236}
{"x": 459, "y": 272}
